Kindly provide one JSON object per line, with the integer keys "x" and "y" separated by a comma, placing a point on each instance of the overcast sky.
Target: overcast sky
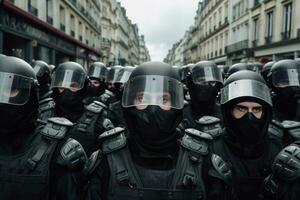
{"x": 163, "y": 22}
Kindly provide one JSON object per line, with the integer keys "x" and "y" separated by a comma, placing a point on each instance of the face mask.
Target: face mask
{"x": 205, "y": 93}
{"x": 153, "y": 125}
{"x": 248, "y": 129}
{"x": 14, "y": 118}
{"x": 68, "y": 99}
{"x": 95, "y": 91}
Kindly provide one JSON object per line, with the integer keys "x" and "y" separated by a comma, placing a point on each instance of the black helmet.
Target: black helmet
{"x": 246, "y": 86}
{"x": 113, "y": 73}
{"x": 238, "y": 67}
{"x": 98, "y": 71}
{"x": 69, "y": 85}
{"x": 204, "y": 82}
{"x": 152, "y": 103}
{"x": 266, "y": 70}
{"x": 18, "y": 94}
{"x": 255, "y": 66}
{"x": 51, "y": 67}
{"x": 42, "y": 71}
{"x": 285, "y": 74}
{"x": 69, "y": 75}
{"x": 184, "y": 71}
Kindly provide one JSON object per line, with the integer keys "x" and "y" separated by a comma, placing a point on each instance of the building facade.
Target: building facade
{"x": 53, "y": 31}
{"x": 144, "y": 52}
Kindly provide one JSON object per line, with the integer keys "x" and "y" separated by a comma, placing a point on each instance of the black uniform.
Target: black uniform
{"x": 285, "y": 85}
{"x": 246, "y": 145}
{"x": 36, "y": 162}
{"x": 153, "y": 162}
{"x": 88, "y": 118}
{"x": 204, "y": 83}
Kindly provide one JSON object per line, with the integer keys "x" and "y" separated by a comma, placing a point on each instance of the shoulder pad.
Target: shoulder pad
{"x": 211, "y": 125}
{"x": 198, "y": 146}
{"x": 199, "y": 134}
{"x": 287, "y": 124}
{"x": 286, "y": 165}
{"x": 46, "y": 104}
{"x": 276, "y": 129}
{"x": 95, "y": 107}
{"x": 293, "y": 128}
{"x": 56, "y": 127}
{"x": 72, "y": 155}
{"x": 112, "y": 140}
{"x": 112, "y": 132}
{"x": 45, "y": 100}
{"x": 205, "y": 120}
{"x": 92, "y": 162}
{"x": 220, "y": 169}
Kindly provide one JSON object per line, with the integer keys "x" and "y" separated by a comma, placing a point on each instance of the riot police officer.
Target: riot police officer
{"x": 238, "y": 67}
{"x": 266, "y": 70}
{"x": 285, "y": 84}
{"x": 247, "y": 111}
{"x": 97, "y": 74}
{"x": 36, "y": 162}
{"x": 112, "y": 75}
{"x": 150, "y": 163}
{"x": 204, "y": 82}
{"x": 69, "y": 85}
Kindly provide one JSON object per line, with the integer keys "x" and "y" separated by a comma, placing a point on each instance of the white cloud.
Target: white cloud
{"x": 163, "y": 22}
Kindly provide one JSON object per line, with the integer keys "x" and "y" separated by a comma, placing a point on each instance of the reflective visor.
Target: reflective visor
{"x": 123, "y": 76}
{"x": 287, "y": 77}
{"x": 68, "y": 79}
{"x": 113, "y": 74}
{"x": 97, "y": 72}
{"x": 14, "y": 89}
{"x": 163, "y": 91}
{"x": 200, "y": 75}
{"x": 246, "y": 88}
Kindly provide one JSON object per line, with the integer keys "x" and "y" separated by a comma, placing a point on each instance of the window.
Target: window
{"x": 269, "y": 27}
{"x": 72, "y": 25}
{"x": 80, "y": 31}
{"x": 49, "y": 11}
{"x": 287, "y": 21}
{"x": 32, "y": 7}
{"x": 256, "y": 29}
{"x": 62, "y": 18}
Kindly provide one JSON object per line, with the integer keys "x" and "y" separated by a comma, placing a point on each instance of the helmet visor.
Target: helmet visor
{"x": 14, "y": 89}
{"x": 123, "y": 76}
{"x": 70, "y": 79}
{"x": 287, "y": 77}
{"x": 113, "y": 74}
{"x": 162, "y": 91}
{"x": 97, "y": 72}
{"x": 246, "y": 88}
{"x": 39, "y": 71}
{"x": 203, "y": 75}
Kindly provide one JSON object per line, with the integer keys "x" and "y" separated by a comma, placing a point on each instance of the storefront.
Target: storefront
{"x": 25, "y": 36}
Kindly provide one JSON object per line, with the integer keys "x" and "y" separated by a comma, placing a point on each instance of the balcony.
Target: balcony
{"x": 237, "y": 46}
{"x": 32, "y": 10}
{"x": 268, "y": 39}
{"x": 50, "y": 20}
{"x": 62, "y": 27}
{"x": 285, "y": 35}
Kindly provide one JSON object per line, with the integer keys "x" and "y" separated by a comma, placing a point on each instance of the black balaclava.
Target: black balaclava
{"x": 203, "y": 97}
{"x": 153, "y": 130}
{"x": 69, "y": 104}
{"x": 246, "y": 136}
{"x": 94, "y": 91}
{"x": 17, "y": 122}
{"x": 286, "y": 99}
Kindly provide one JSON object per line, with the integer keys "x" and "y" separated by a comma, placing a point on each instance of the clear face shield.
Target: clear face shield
{"x": 246, "y": 88}
{"x": 14, "y": 89}
{"x": 161, "y": 91}
{"x": 69, "y": 79}
{"x": 97, "y": 72}
{"x": 123, "y": 75}
{"x": 206, "y": 75}
{"x": 286, "y": 78}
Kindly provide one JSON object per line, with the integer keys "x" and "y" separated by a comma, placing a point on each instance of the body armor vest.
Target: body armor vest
{"x": 84, "y": 130}
{"x": 248, "y": 174}
{"x": 129, "y": 181}
{"x": 26, "y": 176}
{"x": 46, "y": 110}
